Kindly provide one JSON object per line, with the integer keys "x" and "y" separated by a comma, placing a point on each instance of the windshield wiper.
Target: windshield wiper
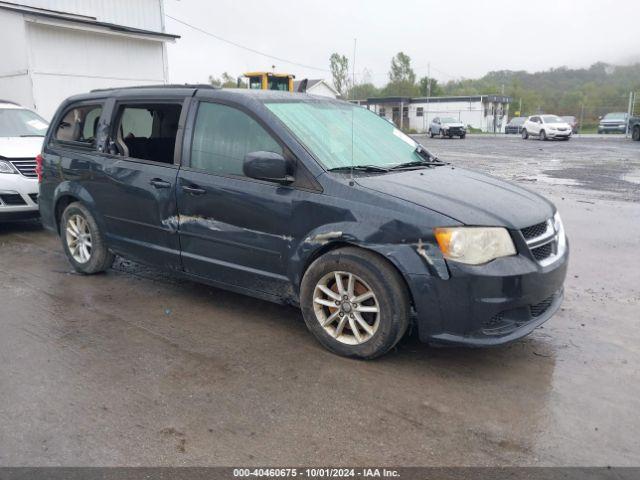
{"x": 32, "y": 135}
{"x": 359, "y": 168}
{"x": 428, "y": 160}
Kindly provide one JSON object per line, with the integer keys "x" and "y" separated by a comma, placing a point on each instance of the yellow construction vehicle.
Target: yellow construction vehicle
{"x": 270, "y": 81}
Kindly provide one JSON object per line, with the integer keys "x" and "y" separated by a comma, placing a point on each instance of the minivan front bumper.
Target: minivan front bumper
{"x": 18, "y": 197}
{"x": 491, "y": 304}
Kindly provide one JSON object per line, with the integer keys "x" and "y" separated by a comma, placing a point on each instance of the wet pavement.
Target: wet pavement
{"x": 135, "y": 367}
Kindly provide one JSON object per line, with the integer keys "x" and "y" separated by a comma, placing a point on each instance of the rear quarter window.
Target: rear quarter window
{"x": 78, "y": 125}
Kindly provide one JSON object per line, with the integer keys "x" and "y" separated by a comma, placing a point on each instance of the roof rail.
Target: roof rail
{"x": 10, "y": 101}
{"x": 162, "y": 85}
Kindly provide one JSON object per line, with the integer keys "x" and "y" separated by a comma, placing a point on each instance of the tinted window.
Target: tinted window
{"x": 222, "y": 138}
{"x": 148, "y": 131}
{"x": 79, "y": 124}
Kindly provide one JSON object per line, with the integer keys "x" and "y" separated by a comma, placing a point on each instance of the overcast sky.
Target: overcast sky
{"x": 459, "y": 38}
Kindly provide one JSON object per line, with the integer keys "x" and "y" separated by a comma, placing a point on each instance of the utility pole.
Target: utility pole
{"x": 581, "y": 117}
{"x": 629, "y": 113}
{"x": 425, "y": 120}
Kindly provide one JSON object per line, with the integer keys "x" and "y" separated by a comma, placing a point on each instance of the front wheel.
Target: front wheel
{"x": 462, "y": 136}
{"x": 430, "y": 133}
{"x": 543, "y": 135}
{"x": 525, "y": 134}
{"x": 636, "y": 133}
{"x": 82, "y": 240}
{"x": 355, "y": 303}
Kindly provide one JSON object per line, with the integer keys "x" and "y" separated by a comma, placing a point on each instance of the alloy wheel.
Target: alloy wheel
{"x": 346, "y": 307}
{"x": 78, "y": 237}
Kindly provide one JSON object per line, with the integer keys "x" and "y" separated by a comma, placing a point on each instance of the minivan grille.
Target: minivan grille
{"x": 539, "y": 308}
{"x": 534, "y": 230}
{"x": 542, "y": 240}
{"x": 26, "y": 166}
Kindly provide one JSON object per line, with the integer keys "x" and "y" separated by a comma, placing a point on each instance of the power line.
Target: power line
{"x": 249, "y": 49}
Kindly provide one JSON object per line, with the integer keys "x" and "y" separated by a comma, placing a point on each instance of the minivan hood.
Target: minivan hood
{"x": 20, "y": 147}
{"x": 470, "y": 198}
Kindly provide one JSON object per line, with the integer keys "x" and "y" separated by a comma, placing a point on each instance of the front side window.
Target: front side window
{"x": 79, "y": 125}
{"x": 223, "y": 136}
{"x": 148, "y": 131}
{"x": 19, "y": 122}
{"x": 340, "y": 134}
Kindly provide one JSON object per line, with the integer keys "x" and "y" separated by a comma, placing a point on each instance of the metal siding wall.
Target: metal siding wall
{"x": 15, "y": 83}
{"x": 146, "y": 14}
{"x": 66, "y": 62}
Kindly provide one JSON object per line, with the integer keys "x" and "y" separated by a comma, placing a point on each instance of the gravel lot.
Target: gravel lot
{"x": 137, "y": 368}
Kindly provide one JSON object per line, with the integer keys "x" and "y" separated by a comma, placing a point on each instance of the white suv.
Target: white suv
{"x": 21, "y": 134}
{"x": 545, "y": 127}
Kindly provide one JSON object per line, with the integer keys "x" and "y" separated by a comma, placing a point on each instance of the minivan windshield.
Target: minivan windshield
{"x": 448, "y": 120}
{"x": 517, "y": 120}
{"x": 340, "y": 135}
{"x": 18, "y": 122}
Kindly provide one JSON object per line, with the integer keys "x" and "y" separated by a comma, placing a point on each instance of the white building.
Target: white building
{"x": 56, "y": 48}
{"x": 318, "y": 87}
{"x": 488, "y": 113}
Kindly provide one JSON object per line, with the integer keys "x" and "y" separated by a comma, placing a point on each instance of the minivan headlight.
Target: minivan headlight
{"x": 6, "y": 167}
{"x": 474, "y": 245}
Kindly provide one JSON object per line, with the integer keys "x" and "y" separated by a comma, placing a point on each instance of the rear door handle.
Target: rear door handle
{"x": 158, "y": 183}
{"x": 194, "y": 190}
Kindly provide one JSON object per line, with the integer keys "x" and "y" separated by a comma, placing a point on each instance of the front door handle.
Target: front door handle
{"x": 159, "y": 183}
{"x": 193, "y": 190}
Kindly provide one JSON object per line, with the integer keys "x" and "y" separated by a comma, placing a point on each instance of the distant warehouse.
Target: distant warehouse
{"x": 56, "y": 48}
{"x": 488, "y": 113}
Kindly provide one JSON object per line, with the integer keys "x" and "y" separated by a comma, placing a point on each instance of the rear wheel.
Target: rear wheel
{"x": 543, "y": 135}
{"x": 355, "y": 303}
{"x": 82, "y": 240}
{"x": 636, "y": 133}
{"x": 525, "y": 134}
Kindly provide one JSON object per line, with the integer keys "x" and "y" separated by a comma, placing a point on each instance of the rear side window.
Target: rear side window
{"x": 222, "y": 138}
{"x": 148, "y": 131}
{"x": 79, "y": 125}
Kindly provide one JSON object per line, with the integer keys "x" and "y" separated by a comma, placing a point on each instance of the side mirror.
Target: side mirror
{"x": 269, "y": 166}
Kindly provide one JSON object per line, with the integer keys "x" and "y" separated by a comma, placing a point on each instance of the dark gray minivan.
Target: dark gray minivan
{"x": 306, "y": 201}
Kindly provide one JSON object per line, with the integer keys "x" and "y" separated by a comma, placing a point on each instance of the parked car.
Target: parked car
{"x": 546, "y": 127}
{"x": 447, "y": 127}
{"x": 21, "y": 134}
{"x": 634, "y": 128}
{"x": 515, "y": 125}
{"x": 572, "y": 121}
{"x": 271, "y": 194}
{"x": 615, "y": 122}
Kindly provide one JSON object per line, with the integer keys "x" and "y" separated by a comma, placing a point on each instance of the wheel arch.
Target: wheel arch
{"x": 336, "y": 245}
{"x": 67, "y": 193}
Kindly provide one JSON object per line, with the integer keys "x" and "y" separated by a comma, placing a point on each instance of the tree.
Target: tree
{"x": 362, "y": 91}
{"x": 227, "y": 81}
{"x": 402, "y": 78}
{"x": 401, "y": 71}
{"x": 339, "y": 65}
{"x": 436, "y": 89}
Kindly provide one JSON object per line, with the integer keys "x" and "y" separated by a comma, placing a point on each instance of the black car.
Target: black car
{"x": 304, "y": 201}
{"x": 515, "y": 125}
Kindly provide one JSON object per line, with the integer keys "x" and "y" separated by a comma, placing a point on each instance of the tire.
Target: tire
{"x": 462, "y": 136}
{"x": 442, "y": 135}
{"x": 76, "y": 219}
{"x": 371, "y": 274}
{"x": 636, "y": 133}
{"x": 525, "y": 134}
{"x": 543, "y": 135}
{"x": 430, "y": 134}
